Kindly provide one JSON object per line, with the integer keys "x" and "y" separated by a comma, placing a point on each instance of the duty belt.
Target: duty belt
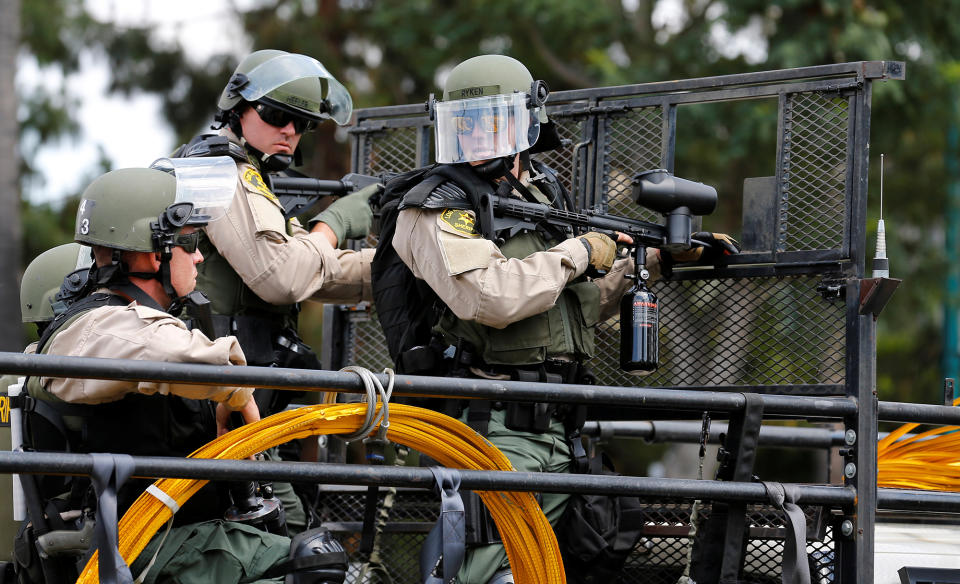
{"x": 550, "y": 371}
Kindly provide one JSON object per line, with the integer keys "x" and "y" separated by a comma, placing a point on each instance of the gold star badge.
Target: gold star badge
{"x": 254, "y": 181}
{"x": 461, "y": 221}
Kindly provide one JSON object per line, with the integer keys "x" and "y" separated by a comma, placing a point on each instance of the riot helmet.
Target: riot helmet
{"x": 43, "y": 278}
{"x": 282, "y": 87}
{"x": 491, "y": 108}
{"x": 145, "y": 209}
{"x": 297, "y": 84}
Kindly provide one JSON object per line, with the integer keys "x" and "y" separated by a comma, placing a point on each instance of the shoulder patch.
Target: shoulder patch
{"x": 253, "y": 181}
{"x": 461, "y": 221}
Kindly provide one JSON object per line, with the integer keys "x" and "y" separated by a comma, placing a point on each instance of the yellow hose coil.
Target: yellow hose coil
{"x": 527, "y": 536}
{"x": 929, "y": 461}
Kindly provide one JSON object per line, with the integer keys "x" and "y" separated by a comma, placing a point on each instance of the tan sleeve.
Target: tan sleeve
{"x": 472, "y": 276}
{"x": 353, "y": 283}
{"x": 138, "y": 332}
{"x": 281, "y": 265}
{"x": 614, "y": 284}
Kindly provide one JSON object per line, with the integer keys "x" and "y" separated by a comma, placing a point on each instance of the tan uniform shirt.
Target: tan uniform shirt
{"x": 142, "y": 333}
{"x": 477, "y": 282}
{"x": 284, "y": 267}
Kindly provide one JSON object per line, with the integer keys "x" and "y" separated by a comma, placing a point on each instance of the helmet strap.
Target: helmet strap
{"x": 268, "y": 162}
{"x": 162, "y": 275}
{"x": 503, "y": 168}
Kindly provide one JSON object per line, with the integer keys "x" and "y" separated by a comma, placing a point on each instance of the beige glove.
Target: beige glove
{"x": 602, "y": 251}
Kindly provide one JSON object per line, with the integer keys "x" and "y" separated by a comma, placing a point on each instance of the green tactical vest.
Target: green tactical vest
{"x": 230, "y": 296}
{"x": 566, "y": 329}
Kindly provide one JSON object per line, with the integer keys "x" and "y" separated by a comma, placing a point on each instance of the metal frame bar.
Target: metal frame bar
{"x": 646, "y": 398}
{"x": 418, "y": 477}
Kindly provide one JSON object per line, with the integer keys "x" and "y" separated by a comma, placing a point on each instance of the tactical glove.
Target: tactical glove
{"x": 601, "y": 251}
{"x": 718, "y": 245}
{"x": 350, "y": 217}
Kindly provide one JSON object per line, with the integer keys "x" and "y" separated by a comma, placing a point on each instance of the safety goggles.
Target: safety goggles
{"x": 279, "y": 118}
{"x": 188, "y": 241}
{"x": 490, "y": 123}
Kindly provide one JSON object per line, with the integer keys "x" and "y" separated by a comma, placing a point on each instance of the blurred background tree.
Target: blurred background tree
{"x": 397, "y": 52}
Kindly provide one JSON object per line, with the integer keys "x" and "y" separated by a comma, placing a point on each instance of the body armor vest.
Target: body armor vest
{"x": 566, "y": 329}
{"x": 237, "y": 309}
{"x": 137, "y": 424}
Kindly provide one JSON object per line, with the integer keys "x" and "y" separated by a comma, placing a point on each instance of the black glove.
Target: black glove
{"x": 716, "y": 245}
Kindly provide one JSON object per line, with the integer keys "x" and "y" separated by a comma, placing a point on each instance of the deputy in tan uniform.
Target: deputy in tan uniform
{"x": 143, "y": 231}
{"x": 259, "y": 266}
{"x": 523, "y": 307}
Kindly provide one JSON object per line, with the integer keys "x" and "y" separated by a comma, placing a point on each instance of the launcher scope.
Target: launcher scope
{"x": 678, "y": 199}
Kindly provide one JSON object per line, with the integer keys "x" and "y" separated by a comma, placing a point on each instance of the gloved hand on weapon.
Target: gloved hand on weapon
{"x": 349, "y": 217}
{"x": 716, "y": 245}
{"x": 601, "y": 252}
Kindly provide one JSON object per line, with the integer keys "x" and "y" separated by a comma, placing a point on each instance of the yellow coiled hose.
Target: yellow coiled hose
{"x": 527, "y": 536}
{"x": 929, "y": 461}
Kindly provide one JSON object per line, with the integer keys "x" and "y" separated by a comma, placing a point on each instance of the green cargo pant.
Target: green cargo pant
{"x": 212, "y": 551}
{"x": 528, "y": 452}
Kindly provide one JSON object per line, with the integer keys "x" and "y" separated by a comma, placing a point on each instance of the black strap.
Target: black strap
{"x": 52, "y": 415}
{"x": 795, "y": 569}
{"x": 110, "y": 471}
{"x": 478, "y": 416}
{"x": 137, "y": 293}
{"x": 375, "y": 456}
{"x": 445, "y": 545}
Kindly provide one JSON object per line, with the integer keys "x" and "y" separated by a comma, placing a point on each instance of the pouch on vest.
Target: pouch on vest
{"x": 596, "y": 534}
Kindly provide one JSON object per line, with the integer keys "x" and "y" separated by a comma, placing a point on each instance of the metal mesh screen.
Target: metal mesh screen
{"x": 758, "y": 331}
{"x": 632, "y": 144}
{"x": 813, "y": 204}
{"x": 392, "y": 150}
{"x": 564, "y": 159}
{"x": 367, "y": 343}
{"x": 659, "y": 558}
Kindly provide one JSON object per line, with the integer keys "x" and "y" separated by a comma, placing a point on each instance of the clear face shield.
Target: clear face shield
{"x": 274, "y": 73}
{"x": 84, "y": 258}
{"x": 209, "y": 183}
{"x": 484, "y": 128}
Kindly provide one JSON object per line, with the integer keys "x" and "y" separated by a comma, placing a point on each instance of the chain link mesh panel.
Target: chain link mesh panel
{"x": 564, "y": 159}
{"x": 392, "y": 150}
{"x": 632, "y": 144}
{"x": 660, "y": 556}
{"x": 758, "y": 331}
{"x": 813, "y": 184}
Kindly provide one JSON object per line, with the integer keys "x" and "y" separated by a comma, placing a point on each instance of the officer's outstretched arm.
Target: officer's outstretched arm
{"x": 472, "y": 275}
